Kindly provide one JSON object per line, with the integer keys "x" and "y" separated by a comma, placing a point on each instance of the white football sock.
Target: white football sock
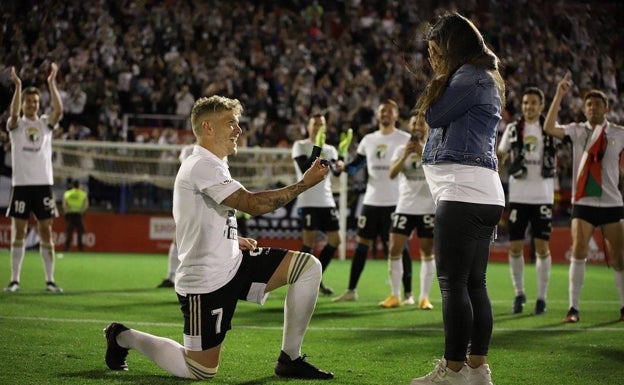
{"x": 543, "y": 265}
{"x": 46, "y": 250}
{"x": 516, "y": 267}
{"x": 304, "y": 276}
{"x": 427, "y": 271}
{"x": 396, "y": 274}
{"x": 18, "y": 250}
{"x": 165, "y": 352}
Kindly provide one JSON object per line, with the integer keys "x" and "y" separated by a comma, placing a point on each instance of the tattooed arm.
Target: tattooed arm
{"x": 258, "y": 203}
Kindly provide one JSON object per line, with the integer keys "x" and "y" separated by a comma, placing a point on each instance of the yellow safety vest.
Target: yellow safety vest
{"x": 75, "y": 199}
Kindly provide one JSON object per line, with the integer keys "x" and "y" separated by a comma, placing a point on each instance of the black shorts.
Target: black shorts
{"x": 208, "y": 317}
{"x": 598, "y": 216}
{"x": 405, "y": 223}
{"x": 539, "y": 216}
{"x": 374, "y": 221}
{"x": 319, "y": 218}
{"x": 36, "y": 199}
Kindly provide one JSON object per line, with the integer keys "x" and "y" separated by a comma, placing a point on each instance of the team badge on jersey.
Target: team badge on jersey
{"x": 33, "y": 134}
{"x": 415, "y": 161}
{"x": 381, "y": 151}
{"x": 530, "y": 144}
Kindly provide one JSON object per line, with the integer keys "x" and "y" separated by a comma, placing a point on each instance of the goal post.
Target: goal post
{"x": 127, "y": 164}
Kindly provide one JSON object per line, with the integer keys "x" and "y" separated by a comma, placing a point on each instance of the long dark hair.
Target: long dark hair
{"x": 460, "y": 43}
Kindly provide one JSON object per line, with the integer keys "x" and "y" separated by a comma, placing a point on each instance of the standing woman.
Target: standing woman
{"x": 462, "y": 106}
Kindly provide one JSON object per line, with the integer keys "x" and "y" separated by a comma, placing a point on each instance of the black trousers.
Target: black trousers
{"x": 463, "y": 234}
{"x": 73, "y": 221}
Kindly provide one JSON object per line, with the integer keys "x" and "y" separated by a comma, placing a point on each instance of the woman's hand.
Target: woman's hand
{"x": 247, "y": 243}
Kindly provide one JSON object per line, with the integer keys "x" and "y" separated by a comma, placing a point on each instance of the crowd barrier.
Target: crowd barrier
{"x": 143, "y": 233}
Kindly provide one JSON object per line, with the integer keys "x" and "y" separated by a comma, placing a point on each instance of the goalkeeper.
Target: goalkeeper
{"x": 317, "y": 207}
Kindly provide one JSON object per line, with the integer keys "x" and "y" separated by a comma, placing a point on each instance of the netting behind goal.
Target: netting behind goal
{"x": 119, "y": 163}
{"x": 141, "y": 165}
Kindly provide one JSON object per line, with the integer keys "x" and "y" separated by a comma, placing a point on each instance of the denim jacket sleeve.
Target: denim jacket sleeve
{"x": 458, "y": 97}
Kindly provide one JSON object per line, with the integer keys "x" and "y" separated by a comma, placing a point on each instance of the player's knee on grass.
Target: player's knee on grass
{"x": 199, "y": 372}
{"x": 304, "y": 265}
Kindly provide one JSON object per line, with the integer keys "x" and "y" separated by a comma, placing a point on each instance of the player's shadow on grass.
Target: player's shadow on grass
{"x": 130, "y": 378}
{"x": 611, "y": 354}
{"x": 148, "y": 379}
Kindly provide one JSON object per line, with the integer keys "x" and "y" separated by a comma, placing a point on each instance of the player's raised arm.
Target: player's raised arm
{"x": 16, "y": 102}
{"x": 55, "y": 97}
{"x": 258, "y": 203}
{"x": 550, "y": 124}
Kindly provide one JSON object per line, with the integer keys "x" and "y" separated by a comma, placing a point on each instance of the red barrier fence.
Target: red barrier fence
{"x": 143, "y": 233}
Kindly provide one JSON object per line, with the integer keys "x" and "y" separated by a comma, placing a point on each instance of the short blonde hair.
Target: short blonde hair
{"x": 213, "y": 104}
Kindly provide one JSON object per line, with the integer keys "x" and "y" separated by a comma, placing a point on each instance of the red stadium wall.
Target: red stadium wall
{"x": 140, "y": 233}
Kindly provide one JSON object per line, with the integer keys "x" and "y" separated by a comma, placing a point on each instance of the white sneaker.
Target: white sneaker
{"x": 349, "y": 295}
{"x": 409, "y": 301}
{"x": 479, "y": 376}
{"x": 441, "y": 375}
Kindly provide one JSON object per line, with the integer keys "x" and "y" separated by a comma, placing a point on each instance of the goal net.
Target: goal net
{"x": 119, "y": 163}
{"x": 142, "y": 165}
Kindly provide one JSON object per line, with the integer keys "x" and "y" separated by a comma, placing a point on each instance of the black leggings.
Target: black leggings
{"x": 463, "y": 234}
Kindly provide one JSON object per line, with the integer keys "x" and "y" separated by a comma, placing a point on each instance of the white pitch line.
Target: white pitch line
{"x": 312, "y": 328}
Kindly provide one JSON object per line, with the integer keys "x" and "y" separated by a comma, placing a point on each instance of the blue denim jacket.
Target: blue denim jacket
{"x": 463, "y": 122}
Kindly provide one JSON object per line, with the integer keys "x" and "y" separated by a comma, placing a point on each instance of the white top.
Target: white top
{"x": 31, "y": 154}
{"x": 378, "y": 150}
{"x": 532, "y": 189}
{"x": 463, "y": 183}
{"x": 414, "y": 194}
{"x": 321, "y": 194}
{"x": 185, "y": 152}
{"x": 206, "y": 232}
{"x": 580, "y": 134}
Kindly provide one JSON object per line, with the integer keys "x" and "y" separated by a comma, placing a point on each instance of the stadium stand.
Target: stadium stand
{"x": 284, "y": 59}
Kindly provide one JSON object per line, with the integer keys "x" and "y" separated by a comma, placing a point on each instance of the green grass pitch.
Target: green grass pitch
{"x": 57, "y": 339}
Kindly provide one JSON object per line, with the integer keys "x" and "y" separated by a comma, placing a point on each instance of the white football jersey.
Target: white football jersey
{"x": 185, "y": 152}
{"x": 321, "y": 194}
{"x": 580, "y": 134}
{"x": 414, "y": 194}
{"x": 532, "y": 189}
{"x": 378, "y": 150}
{"x": 206, "y": 231}
{"x": 31, "y": 154}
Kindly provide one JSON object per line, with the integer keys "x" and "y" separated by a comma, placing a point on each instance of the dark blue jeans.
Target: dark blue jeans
{"x": 463, "y": 234}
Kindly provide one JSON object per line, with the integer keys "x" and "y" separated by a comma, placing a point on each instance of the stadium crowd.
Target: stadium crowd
{"x": 288, "y": 58}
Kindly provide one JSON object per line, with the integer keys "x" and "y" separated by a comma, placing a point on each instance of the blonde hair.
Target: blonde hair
{"x": 211, "y": 105}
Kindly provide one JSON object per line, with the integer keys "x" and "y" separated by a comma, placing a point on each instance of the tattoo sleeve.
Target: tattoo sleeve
{"x": 266, "y": 201}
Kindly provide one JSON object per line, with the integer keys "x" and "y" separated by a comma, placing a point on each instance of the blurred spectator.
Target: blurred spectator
{"x": 290, "y": 58}
{"x": 74, "y": 101}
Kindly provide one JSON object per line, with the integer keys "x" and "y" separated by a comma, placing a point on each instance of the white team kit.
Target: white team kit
{"x": 32, "y": 140}
{"x": 321, "y": 194}
{"x": 580, "y": 134}
{"x": 414, "y": 194}
{"x": 378, "y": 150}
{"x": 202, "y": 183}
{"x": 532, "y": 188}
